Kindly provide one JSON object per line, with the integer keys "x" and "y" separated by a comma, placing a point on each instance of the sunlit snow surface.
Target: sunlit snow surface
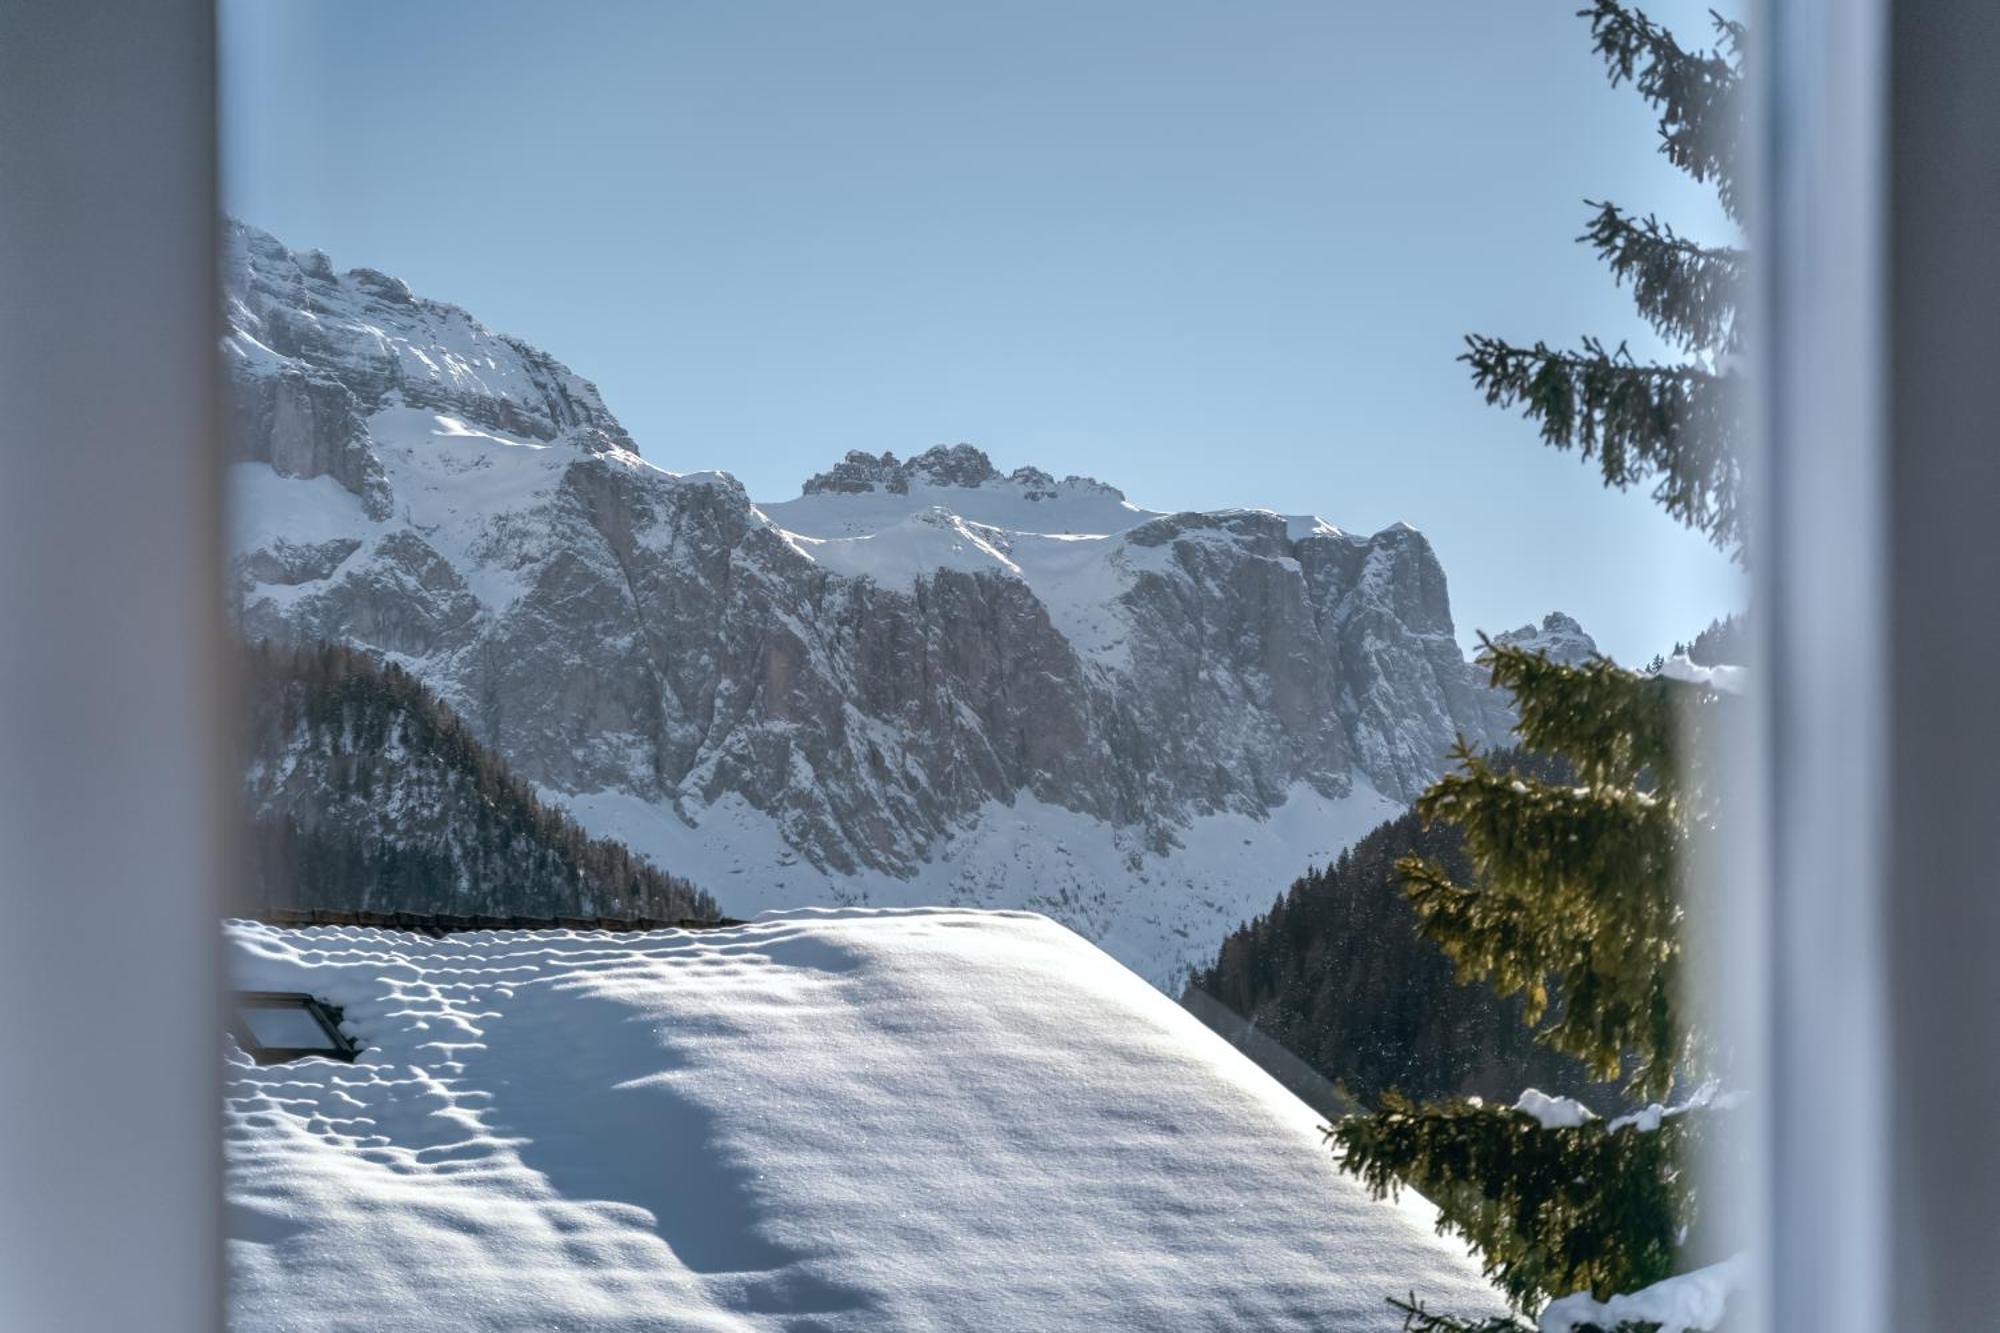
{"x": 1690, "y": 1302}
{"x": 827, "y": 1119}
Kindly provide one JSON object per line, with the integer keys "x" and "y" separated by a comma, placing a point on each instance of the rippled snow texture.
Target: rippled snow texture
{"x": 827, "y": 1119}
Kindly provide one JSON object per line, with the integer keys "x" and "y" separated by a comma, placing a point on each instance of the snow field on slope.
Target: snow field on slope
{"x": 1077, "y": 578}
{"x": 1067, "y": 548}
{"x": 1157, "y": 914}
{"x": 1079, "y": 581}
{"x": 267, "y": 508}
{"x": 472, "y": 494}
{"x": 915, "y": 547}
{"x": 833, "y": 1120}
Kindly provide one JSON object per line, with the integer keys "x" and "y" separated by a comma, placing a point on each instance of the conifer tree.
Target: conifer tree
{"x": 1675, "y": 423}
{"x": 1574, "y": 900}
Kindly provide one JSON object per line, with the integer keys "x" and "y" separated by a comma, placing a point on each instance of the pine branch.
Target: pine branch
{"x": 1573, "y": 897}
{"x": 1418, "y": 1319}
{"x": 1550, "y": 1210}
{"x": 1689, "y": 292}
{"x": 1611, "y": 725}
{"x": 1584, "y": 850}
{"x": 1574, "y": 909}
{"x": 1676, "y": 425}
{"x": 1695, "y": 92}
{"x": 1574, "y": 891}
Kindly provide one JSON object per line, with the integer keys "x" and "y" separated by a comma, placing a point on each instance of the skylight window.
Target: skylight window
{"x": 275, "y": 1026}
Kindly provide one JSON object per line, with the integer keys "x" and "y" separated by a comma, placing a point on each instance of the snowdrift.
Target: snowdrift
{"x": 826, "y": 1119}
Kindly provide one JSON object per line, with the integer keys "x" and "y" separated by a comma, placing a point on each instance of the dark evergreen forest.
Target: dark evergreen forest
{"x": 368, "y": 793}
{"x": 1337, "y": 974}
{"x": 1726, "y": 642}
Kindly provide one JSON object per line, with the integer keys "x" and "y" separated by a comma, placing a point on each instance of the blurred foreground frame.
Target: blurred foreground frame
{"x": 1881, "y": 178}
{"x": 115, "y": 764}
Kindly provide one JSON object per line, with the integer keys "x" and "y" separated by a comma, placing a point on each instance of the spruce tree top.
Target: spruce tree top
{"x": 1673, "y": 425}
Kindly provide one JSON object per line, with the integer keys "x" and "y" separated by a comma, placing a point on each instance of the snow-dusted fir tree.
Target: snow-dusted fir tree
{"x": 1575, "y": 902}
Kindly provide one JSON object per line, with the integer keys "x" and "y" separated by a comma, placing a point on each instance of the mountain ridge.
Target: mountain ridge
{"x": 962, "y": 465}
{"x": 846, "y": 696}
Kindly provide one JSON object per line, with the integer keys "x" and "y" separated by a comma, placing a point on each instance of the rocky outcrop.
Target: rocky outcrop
{"x": 311, "y": 353}
{"x": 1558, "y": 638}
{"x": 305, "y": 425}
{"x": 955, "y": 465}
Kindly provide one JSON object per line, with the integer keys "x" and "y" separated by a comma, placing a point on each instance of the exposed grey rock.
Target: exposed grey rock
{"x": 284, "y": 563}
{"x": 609, "y": 627}
{"x": 1559, "y": 638}
{"x": 305, "y": 425}
{"x": 860, "y": 472}
{"x": 958, "y": 465}
{"x": 311, "y": 354}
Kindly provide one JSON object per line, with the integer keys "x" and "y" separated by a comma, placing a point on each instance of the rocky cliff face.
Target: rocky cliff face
{"x": 918, "y": 680}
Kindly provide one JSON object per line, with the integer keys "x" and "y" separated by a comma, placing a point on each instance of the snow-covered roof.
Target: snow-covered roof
{"x": 834, "y": 1119}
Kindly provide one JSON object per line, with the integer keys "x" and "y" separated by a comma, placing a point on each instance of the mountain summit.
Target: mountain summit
{"x": 956, "y": 465}
{"x": 918, "y": 681}
{"x": 1558, "y": 638}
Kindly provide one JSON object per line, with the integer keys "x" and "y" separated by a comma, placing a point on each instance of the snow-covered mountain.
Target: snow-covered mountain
{"x": 1558, "y": 638}
{"x": 918, "y": 681}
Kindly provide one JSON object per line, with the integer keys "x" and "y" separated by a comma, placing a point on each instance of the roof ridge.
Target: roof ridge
{"x": 446, "y": 923}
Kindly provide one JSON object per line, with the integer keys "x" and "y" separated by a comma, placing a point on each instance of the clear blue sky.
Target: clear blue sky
{"x": 1215, "y": 254}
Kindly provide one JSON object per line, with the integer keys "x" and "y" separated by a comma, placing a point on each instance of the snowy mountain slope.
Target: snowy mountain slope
{"x": 825, "y": 1120}
{"x": 1160, "y": 912}
{"x": 853, "y": 685}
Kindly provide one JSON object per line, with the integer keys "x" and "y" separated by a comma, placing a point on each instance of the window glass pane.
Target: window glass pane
{"x": 289, "y": 1028}
{"x": 1233, "y": 510}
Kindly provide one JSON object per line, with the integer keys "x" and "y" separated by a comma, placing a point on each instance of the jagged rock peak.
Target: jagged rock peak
{"x": 356, "y": 341}
{"x": 959, "y": 465}
{"x": 1559, "y": 638}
